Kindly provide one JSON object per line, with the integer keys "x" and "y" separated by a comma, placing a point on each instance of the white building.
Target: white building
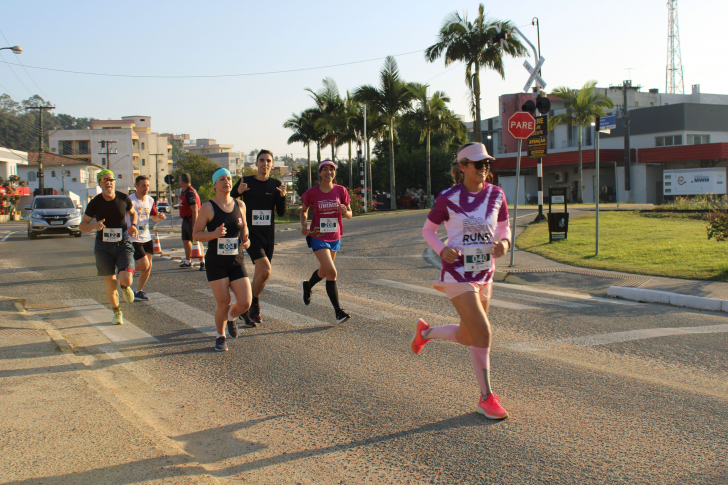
{"x": 64, "y": 175}
{"x": 9, "y": 162}
{"x": 128, "y": 147}
{"x": 223, "y": 155}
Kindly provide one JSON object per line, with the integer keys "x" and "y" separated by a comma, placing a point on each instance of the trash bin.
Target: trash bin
{"x": 558, "y": 225}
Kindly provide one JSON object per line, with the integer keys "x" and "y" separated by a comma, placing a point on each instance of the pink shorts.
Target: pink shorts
{"x": 452, "y": 289}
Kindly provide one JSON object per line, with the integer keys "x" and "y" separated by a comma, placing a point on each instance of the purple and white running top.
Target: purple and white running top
{"x": 473, "y": 222}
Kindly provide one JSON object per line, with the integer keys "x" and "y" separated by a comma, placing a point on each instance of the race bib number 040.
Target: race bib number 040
{"x": 227, "y": 246}
{"x": 262, "y": 218}
{"x": 477, "y": 258}
{"x": 112, "y": 234}
{"x": 329, "y": 225}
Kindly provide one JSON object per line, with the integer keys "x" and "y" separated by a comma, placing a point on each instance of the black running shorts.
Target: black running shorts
{"x": 257, "y": 251}
{"x": 142, "y": 249}
{"x": 187, "y": 231}
{"x": 113, "y": 256}
{"x": 218, "y": 271}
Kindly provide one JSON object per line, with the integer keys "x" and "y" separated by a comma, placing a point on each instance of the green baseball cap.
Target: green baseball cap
{"x": 105, "y": 173}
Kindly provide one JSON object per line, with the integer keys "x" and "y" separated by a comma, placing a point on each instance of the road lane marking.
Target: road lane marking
{"x": 7, "y": 236}
{"x": 321, "y": 299}
{"x": 617, "y": 337}
{"x": 100, "y": 317}
{"x": 189, "y": 315}
{"x": 434, "y": 292}
{"x": 281, "y": 314}
{"x": 127, "y": 363}
{"x": 545, "y": 301}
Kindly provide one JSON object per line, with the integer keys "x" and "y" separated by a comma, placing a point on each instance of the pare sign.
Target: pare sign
{"x": 521, "y": 125}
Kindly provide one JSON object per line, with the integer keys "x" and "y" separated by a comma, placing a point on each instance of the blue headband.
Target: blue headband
{"x": 219, "y": 173}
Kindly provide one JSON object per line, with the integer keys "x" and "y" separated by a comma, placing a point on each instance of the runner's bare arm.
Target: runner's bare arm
{"x": 132, "y": 230}
{"x": 88, "y": 226}
{"x": 244, "y": 231}
{"x": 204, "y": 216}
{"x": 345, "y": 210}
{"x": 304, "y": 219}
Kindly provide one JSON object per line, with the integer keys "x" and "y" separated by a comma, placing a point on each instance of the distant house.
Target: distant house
{"x": 64, "y": 175}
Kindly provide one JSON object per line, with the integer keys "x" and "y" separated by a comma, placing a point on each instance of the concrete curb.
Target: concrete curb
{"x": 667, "y": 298}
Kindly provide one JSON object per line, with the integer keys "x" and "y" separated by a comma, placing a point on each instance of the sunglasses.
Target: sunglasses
{"x": 104, "y": 180}
{"x": 478, "y": 165}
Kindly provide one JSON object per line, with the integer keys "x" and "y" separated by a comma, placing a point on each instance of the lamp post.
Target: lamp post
{"x": 16, "y": 49}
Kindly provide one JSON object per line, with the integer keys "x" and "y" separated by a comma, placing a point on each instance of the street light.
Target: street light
{"x": 16, "y": 49}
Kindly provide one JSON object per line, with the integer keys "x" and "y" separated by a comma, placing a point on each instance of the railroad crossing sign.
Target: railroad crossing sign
{"x": 534, "y": 75}
{"x": 521, "y": 125}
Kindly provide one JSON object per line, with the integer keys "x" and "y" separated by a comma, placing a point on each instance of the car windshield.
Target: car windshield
{"x": 54, "y": 203}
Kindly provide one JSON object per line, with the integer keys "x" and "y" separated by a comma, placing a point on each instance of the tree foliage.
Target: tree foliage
{"x": 200, "y": 169}
{"x": 19, "y": 127}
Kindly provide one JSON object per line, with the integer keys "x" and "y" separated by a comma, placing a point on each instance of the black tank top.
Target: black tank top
{"x": 230, "y": 243}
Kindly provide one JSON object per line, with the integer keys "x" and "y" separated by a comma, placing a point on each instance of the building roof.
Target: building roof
{"x": 51, "y": 159}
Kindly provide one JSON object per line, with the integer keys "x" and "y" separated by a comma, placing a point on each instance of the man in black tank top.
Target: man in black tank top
{"x": 263, "y": 197}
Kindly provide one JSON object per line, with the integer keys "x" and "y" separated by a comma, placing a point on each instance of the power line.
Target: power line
{"x": 211, "y": 75}
{"x": 15, "y": 74}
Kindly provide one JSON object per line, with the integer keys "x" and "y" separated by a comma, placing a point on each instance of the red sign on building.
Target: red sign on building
{"x": 521, "y": 125}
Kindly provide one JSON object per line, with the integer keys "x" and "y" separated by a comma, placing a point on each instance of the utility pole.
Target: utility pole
{"x": 106, "y": 144}
{"x": 41, "y": 184}
{"x": 156, "y": 169}
{"x": 625, "y": 88}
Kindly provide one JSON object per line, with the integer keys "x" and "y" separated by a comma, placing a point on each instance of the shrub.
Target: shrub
{"x": 718, "y": 225}
{"x": 357, "y": 202}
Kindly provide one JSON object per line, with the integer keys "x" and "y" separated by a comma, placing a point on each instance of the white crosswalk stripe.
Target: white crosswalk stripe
{"x": 100, "y": 317}
{"x": 320, "y": 298}
{"x": 432, "y": 291}
{"x": 189, "y": 315}
{"x": 281, "y": 314}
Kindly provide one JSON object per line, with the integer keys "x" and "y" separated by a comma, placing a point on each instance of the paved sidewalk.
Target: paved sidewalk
{"x": 60, "y": 425}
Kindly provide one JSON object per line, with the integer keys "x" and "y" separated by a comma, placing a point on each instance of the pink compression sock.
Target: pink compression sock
{"x": 480, "y": 358}
{"x": 446, "y": 332}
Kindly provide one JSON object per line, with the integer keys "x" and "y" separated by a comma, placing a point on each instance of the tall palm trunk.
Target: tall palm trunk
{"x": 308, "y": 147}
{"x": 333, "y": 157}
{"x": 351, "y": 172}
{"x": 393, "y": 201}
{"x": 318, "y": 152}
{"x": 429, "y": 185}
{"x": 478, "y": 135}
{"x": 369, "y": 167}
{"x": 579, "y": 191}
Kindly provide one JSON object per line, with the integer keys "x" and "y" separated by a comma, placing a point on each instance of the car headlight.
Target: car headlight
{"x": 74, "y": 215}
{"x": 36, "y": 216}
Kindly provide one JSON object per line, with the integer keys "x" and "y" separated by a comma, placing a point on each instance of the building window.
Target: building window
{"x": 121, "y": 176}
{"x": 668, "y": 141}
{"x": 698, "y": 139}
{"x": 103, "y": 160}
{"x": 83, "y": 147}
{"x": 144, "y": 162}
{"x": 142, "y": 145}
{"x": 66, "y": 148}
{"x": 31, "y": 176}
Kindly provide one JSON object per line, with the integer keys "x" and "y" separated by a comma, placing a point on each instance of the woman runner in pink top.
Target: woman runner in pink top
{"x": 329, "y": 202}
{"x": 475, "y": 215}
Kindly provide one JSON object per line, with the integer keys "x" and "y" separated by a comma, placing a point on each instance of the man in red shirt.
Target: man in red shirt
{"x": 189, "y": 205}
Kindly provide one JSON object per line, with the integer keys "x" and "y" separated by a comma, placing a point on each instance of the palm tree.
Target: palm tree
{"x": 430, "y": 116}
{"x": 392, "y": 97}
{"x": 474, "y": 44}
{"x": 582, "y": 107}
{"x": 349, "y": 119}
{"x": 304, "y": 132}
{"x": 328, "y": 104}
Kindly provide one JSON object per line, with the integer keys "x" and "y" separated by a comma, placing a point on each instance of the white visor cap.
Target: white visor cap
{"x": 474, "y": 153}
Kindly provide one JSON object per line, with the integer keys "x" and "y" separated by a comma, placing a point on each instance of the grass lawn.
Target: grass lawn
{"x": 674, "y": 245}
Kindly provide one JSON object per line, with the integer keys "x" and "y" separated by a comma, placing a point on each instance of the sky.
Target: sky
{"x": 245, "y": 44}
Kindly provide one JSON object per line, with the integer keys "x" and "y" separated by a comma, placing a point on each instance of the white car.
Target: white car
{"x": 164, "y": 207}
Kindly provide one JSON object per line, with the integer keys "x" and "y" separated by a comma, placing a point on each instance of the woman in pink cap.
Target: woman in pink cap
{"x": 329, "y": 201}
{"x": 475, "y": 215}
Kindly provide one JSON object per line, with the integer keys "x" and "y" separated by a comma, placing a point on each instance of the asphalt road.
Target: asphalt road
{"x": 598, "y": 390}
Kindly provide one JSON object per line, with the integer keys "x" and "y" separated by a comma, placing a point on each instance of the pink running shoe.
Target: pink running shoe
{"x": 417, "y": 341}
{"x": 491, "y": 407}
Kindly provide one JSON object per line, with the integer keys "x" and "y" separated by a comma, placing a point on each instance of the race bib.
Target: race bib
{"x": 477, "y": 258}
{"x": 227, "y": 246}
{"x": 261, "y": 218}
{"x": 112, "y": 234}
{"x": 329, "y": 225}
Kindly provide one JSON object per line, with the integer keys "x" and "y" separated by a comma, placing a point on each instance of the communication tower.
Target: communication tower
{"x": 674, "y": 75}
